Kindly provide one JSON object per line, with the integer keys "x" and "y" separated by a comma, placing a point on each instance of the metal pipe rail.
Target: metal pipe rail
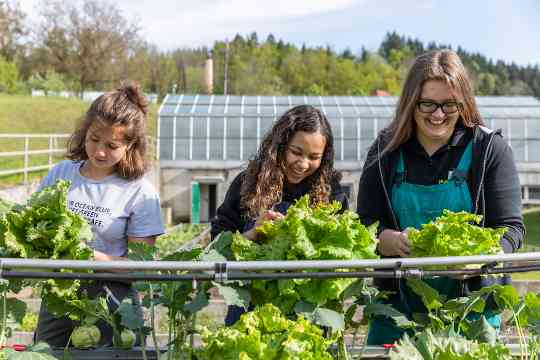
{"x": 289, "y": 265}
{"x": 241, "y": 275}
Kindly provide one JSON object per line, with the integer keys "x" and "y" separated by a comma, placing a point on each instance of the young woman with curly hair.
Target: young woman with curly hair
{"x": 296, "y": 157}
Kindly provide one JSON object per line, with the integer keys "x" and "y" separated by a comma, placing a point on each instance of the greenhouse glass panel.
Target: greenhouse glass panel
{"x": 267, "y": 100}
{"x": 220, "y": 100}
{"x": 250, "y": 110}
{"x": 188, "y": 99}
{"x": 517, "y": 127}
{"x": 233, "y": 138}
{"x": 173, "y": 99}
{"x": 364, "y": 111}
{"x": 218, "y": 110}
{"x": 349, "y": 139}
{"x": 533, "y": 129}
{"x": 204, "y": 99}
{"x": 266, "y": 125}
{"x": 282, "y": 100}
{"x": 335, "y": 124}
{"x": 166, "y": 139}
{"x": 235, "y": 99}
{"x": 329, "y": 101}
{"x": 314, "y": 101}
{"x": 297, "y": 100}
{"x": 344, "y": 100}
{"x": 250, "y": 100}
{"x": 185, "y": 109}
{"x": 201, "y": 109}
{"x": 182, "y": 138}
{"x": 250, "y": 149}
{"x": 168, "y": 110}
{"x": 367, "y": 128}
{"x": 332, "y": 111}
{"x": 250, "y": 128}
{"x": 349, "y": 149}
{"x": 199, "y": 138}
{"x": 282, "y": 109}
{"x": 216, "y": 138}
{"x": 267, "y": 110}
{"x": 234, "y": 110}
{"x": 534, "y": 150}
{"x": 348, "y": 111}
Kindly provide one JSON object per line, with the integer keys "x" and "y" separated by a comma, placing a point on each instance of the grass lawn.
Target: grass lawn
{"x": 532, "y": 225}
{"x": 47, "y": 115}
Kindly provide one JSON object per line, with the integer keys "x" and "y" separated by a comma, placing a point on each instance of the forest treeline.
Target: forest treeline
{"x": 90, "y": 45}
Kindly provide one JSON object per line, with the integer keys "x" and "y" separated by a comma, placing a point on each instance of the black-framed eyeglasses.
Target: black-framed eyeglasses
{"x": 429, "y": 107}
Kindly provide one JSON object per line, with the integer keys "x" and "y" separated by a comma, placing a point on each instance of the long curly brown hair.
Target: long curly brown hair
{"x": 262, "y": 186}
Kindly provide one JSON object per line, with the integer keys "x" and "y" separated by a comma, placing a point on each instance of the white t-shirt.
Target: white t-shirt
{"x": 114, "y": 207}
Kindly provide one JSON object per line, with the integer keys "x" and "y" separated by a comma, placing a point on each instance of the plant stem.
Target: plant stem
{"x": 4, "y": 317}
{"x": 153, "y": 321}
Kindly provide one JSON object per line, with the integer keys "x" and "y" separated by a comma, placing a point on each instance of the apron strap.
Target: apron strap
{"x": 400, "y": 170}
{"x": 461, "y": 172}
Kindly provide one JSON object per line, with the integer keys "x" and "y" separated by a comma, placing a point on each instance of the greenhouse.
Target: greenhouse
{"x": 204, "y": 127}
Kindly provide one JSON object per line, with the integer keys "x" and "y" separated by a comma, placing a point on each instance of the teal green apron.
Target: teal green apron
{"x": 415, "y": 205}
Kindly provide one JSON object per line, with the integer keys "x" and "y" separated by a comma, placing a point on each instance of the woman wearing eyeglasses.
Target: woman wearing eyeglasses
{"x": 436, "y": 154}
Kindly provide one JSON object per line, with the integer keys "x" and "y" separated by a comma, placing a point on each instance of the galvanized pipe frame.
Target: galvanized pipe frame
{"x": 285, "y": 265}
{"x": 223, "y": 275}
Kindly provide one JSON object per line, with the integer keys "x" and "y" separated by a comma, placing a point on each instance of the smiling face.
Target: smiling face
{"x": 435, "y": 129}
{"x": 105, "y": 146}
{"x": 303, "y": 155}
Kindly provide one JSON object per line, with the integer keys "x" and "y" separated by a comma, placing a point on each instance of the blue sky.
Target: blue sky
{"x": 499, "y": 29}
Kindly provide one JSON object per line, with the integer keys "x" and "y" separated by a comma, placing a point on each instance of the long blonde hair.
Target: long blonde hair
{"x": 444, "y": 65}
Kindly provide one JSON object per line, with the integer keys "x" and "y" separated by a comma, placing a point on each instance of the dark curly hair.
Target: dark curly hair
{"x": 126, "y": 106}
{"x": 262, "y": 186}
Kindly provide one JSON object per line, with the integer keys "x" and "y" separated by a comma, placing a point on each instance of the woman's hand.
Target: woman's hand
{"x": 392, "y": 243}
{"x": 267, "y": 215}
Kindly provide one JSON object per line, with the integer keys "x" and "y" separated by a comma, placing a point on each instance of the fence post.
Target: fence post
{"x": 26, "y": 149}
{"x": 51, "y": 144}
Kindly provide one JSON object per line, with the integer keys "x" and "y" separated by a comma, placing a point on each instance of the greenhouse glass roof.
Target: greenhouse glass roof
{"x": 208, "y": 127}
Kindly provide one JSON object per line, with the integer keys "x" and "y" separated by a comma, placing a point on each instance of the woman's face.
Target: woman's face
{"x": 303, "y": 155}
{"x": 105, "y": 147}
{"x": 434, "y": 129}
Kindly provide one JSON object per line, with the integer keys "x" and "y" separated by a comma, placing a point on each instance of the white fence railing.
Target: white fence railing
{"x": 52, "y": 149}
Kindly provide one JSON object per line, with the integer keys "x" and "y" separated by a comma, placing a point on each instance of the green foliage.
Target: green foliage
{"x": 452, "y": 234}
{"x": 39, "y": 351}
{"x": 51, "y": 83}
{"x": 9, "y": 75}
{"x": 45, "y": 228}
{"x": 29, "y": 322}
{"x": 305, "y": 233}
{"x": 426, "y": 345}
{"x": 266, "y": 334}
{"x": 176, "y": 237}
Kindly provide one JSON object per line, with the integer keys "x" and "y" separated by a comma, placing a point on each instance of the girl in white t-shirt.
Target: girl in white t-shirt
{"x": 107, "y": 162}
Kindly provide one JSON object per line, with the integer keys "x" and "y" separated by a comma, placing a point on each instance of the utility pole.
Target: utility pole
{"x": 226, "y": 71}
